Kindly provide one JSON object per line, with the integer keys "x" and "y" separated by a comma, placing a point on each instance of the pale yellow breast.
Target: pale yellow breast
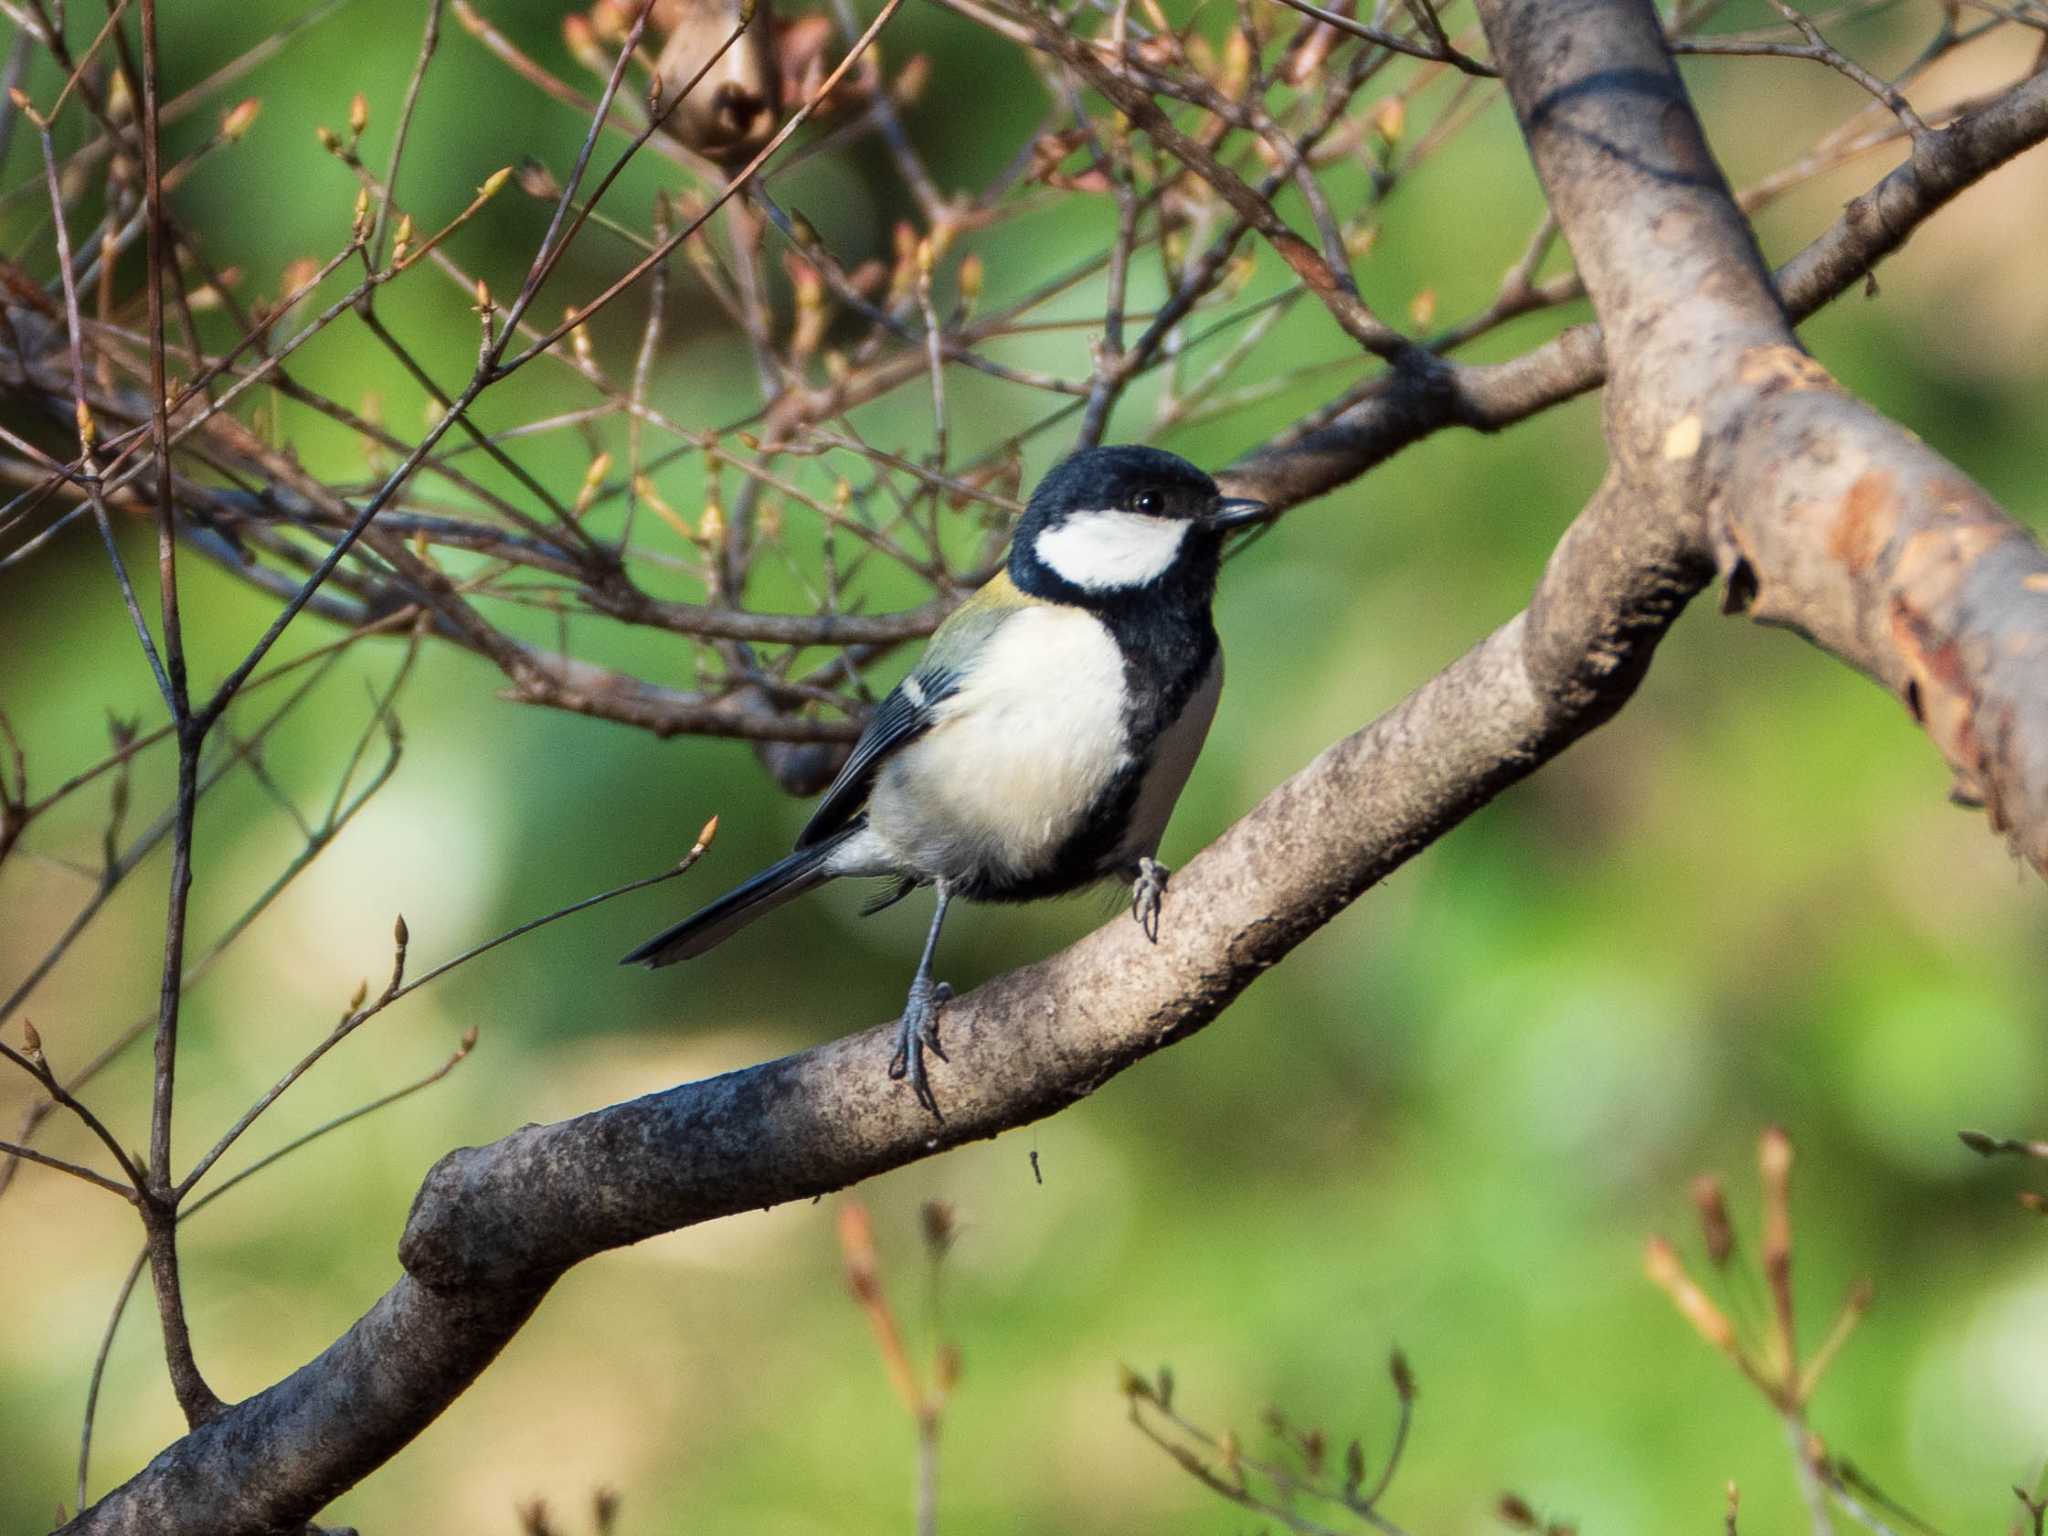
{"x": 1018, "y": 755}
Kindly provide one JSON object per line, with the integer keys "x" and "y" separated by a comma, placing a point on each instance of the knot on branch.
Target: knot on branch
{"x": 462, "y": 1235}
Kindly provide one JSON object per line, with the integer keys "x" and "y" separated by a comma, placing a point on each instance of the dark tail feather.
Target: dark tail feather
{"x": 802, "y": 871}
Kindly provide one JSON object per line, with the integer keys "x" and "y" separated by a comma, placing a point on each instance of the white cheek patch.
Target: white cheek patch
{"x": 1100, "y": 550}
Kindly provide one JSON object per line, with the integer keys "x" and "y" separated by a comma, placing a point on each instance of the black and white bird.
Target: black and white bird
{"x": 1041, "y": 741}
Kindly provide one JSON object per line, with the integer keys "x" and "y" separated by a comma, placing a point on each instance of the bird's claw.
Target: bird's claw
{"x": 917, "y": 1032}
{"x": 1148, "y": 894}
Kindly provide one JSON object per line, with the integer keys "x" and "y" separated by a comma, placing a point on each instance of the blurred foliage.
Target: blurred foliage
{"x": 1448, "y": 1123}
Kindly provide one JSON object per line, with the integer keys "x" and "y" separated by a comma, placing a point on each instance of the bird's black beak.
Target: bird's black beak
{"x": 1237, "y": 512}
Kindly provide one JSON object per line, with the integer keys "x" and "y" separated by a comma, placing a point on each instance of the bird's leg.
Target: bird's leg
{"x": 920, "y": 1025}
{"x": 1148, "y": 891}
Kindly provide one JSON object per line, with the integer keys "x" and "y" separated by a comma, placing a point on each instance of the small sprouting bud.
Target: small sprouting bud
{"x": 1422, "y": 308}
{"x": 925, "y": 258}
{"x": 299, "y": 274}
{"x": 705, "y": 835}
{"x": 842, "y": 494}
{"x": 1979, "y": 1142}
{"x": 356, "y": 998}
{"x": 593, "y": 482}
{"x": 358, "y": 113}
{"x": 468, "y": 1042}
{"x": 483, "y": 297}
{"x": 1403, "y": 1375}
{"x": 361, "y": 226}
{"x": 857, "y": 1247}
{"x": 327, "y": 139}
{"x": 837, "y": 368}
{"x": 971, "y": 275}
{"x": 711, "y": 526}
{"x": 1390, "y": 119}
{"x": 946, "y": 1368}
{"x": 25, "y": 107}
{"x": 581, "y": 41}
{"x": 1660, "y": 1263}
{"x": 401, "y": 239}
{"x": 579, "y": 338}
{"x": 1774, "y": 1164}
{"x": 1714, "y": 1223}
{"x": 748, "y": 441}
{"x": 650, "y": 497}
{"x": 32, "y": 1042}
{"x": 239, "y": 118}
{"x": 1132, "y": 1385}
{"x": 88, "y": 428}
{"x": 1359, "y": 245}
{"x": 1514, "y": 1510}
{"x": 537, "y": 181}
{"x": 1237, "y": 64}
{"x": 1162, "y": 1387}
{"x": 495, "y": 181}
{"x": 1354, "y": 1466}
{"x": 400, "y": 934}
{"x": 1314, "y": 1446}
{"x": 812, "y": 316}
{"x": 1774, "y": 1155}
{"x": 912, "y": 79}
{"x": 1228, "y": 1453}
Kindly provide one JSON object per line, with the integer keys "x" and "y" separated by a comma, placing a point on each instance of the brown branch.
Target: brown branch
{"x": 1333, "y": 288}
{"x": 1400, "y": 408}
{"x": 1819, "y": 513}
{"x": 76, "y": 1170}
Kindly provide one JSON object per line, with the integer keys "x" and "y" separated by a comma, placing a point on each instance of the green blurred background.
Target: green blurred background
{"x": 1448, "y": 1123}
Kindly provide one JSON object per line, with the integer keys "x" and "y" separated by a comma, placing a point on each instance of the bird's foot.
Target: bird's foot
{"x": 1148, "y": 893}
{"x": 919, "y": 1031}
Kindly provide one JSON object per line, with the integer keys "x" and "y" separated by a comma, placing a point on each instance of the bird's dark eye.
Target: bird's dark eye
{"x": 1147, "y": 502}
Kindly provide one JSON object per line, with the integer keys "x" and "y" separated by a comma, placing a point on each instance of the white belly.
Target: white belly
{"x": 1016, "y": 758}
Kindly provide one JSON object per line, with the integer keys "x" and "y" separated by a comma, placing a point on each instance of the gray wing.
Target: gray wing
{"x": 902, "y": 717}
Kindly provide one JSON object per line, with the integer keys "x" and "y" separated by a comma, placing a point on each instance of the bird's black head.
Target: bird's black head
{"x": 1108, "y": 524}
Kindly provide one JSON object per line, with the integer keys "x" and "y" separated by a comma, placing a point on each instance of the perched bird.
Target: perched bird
{"x": 1042, "y": 739}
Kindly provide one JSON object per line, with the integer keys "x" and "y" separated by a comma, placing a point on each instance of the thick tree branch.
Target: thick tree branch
{"x": 1821, "y": 514}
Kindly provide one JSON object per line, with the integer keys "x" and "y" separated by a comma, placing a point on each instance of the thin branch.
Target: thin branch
{"x": 125, "y": 1191}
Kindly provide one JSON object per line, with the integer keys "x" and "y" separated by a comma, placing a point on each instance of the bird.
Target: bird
{"x": 1041, "y": 741}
